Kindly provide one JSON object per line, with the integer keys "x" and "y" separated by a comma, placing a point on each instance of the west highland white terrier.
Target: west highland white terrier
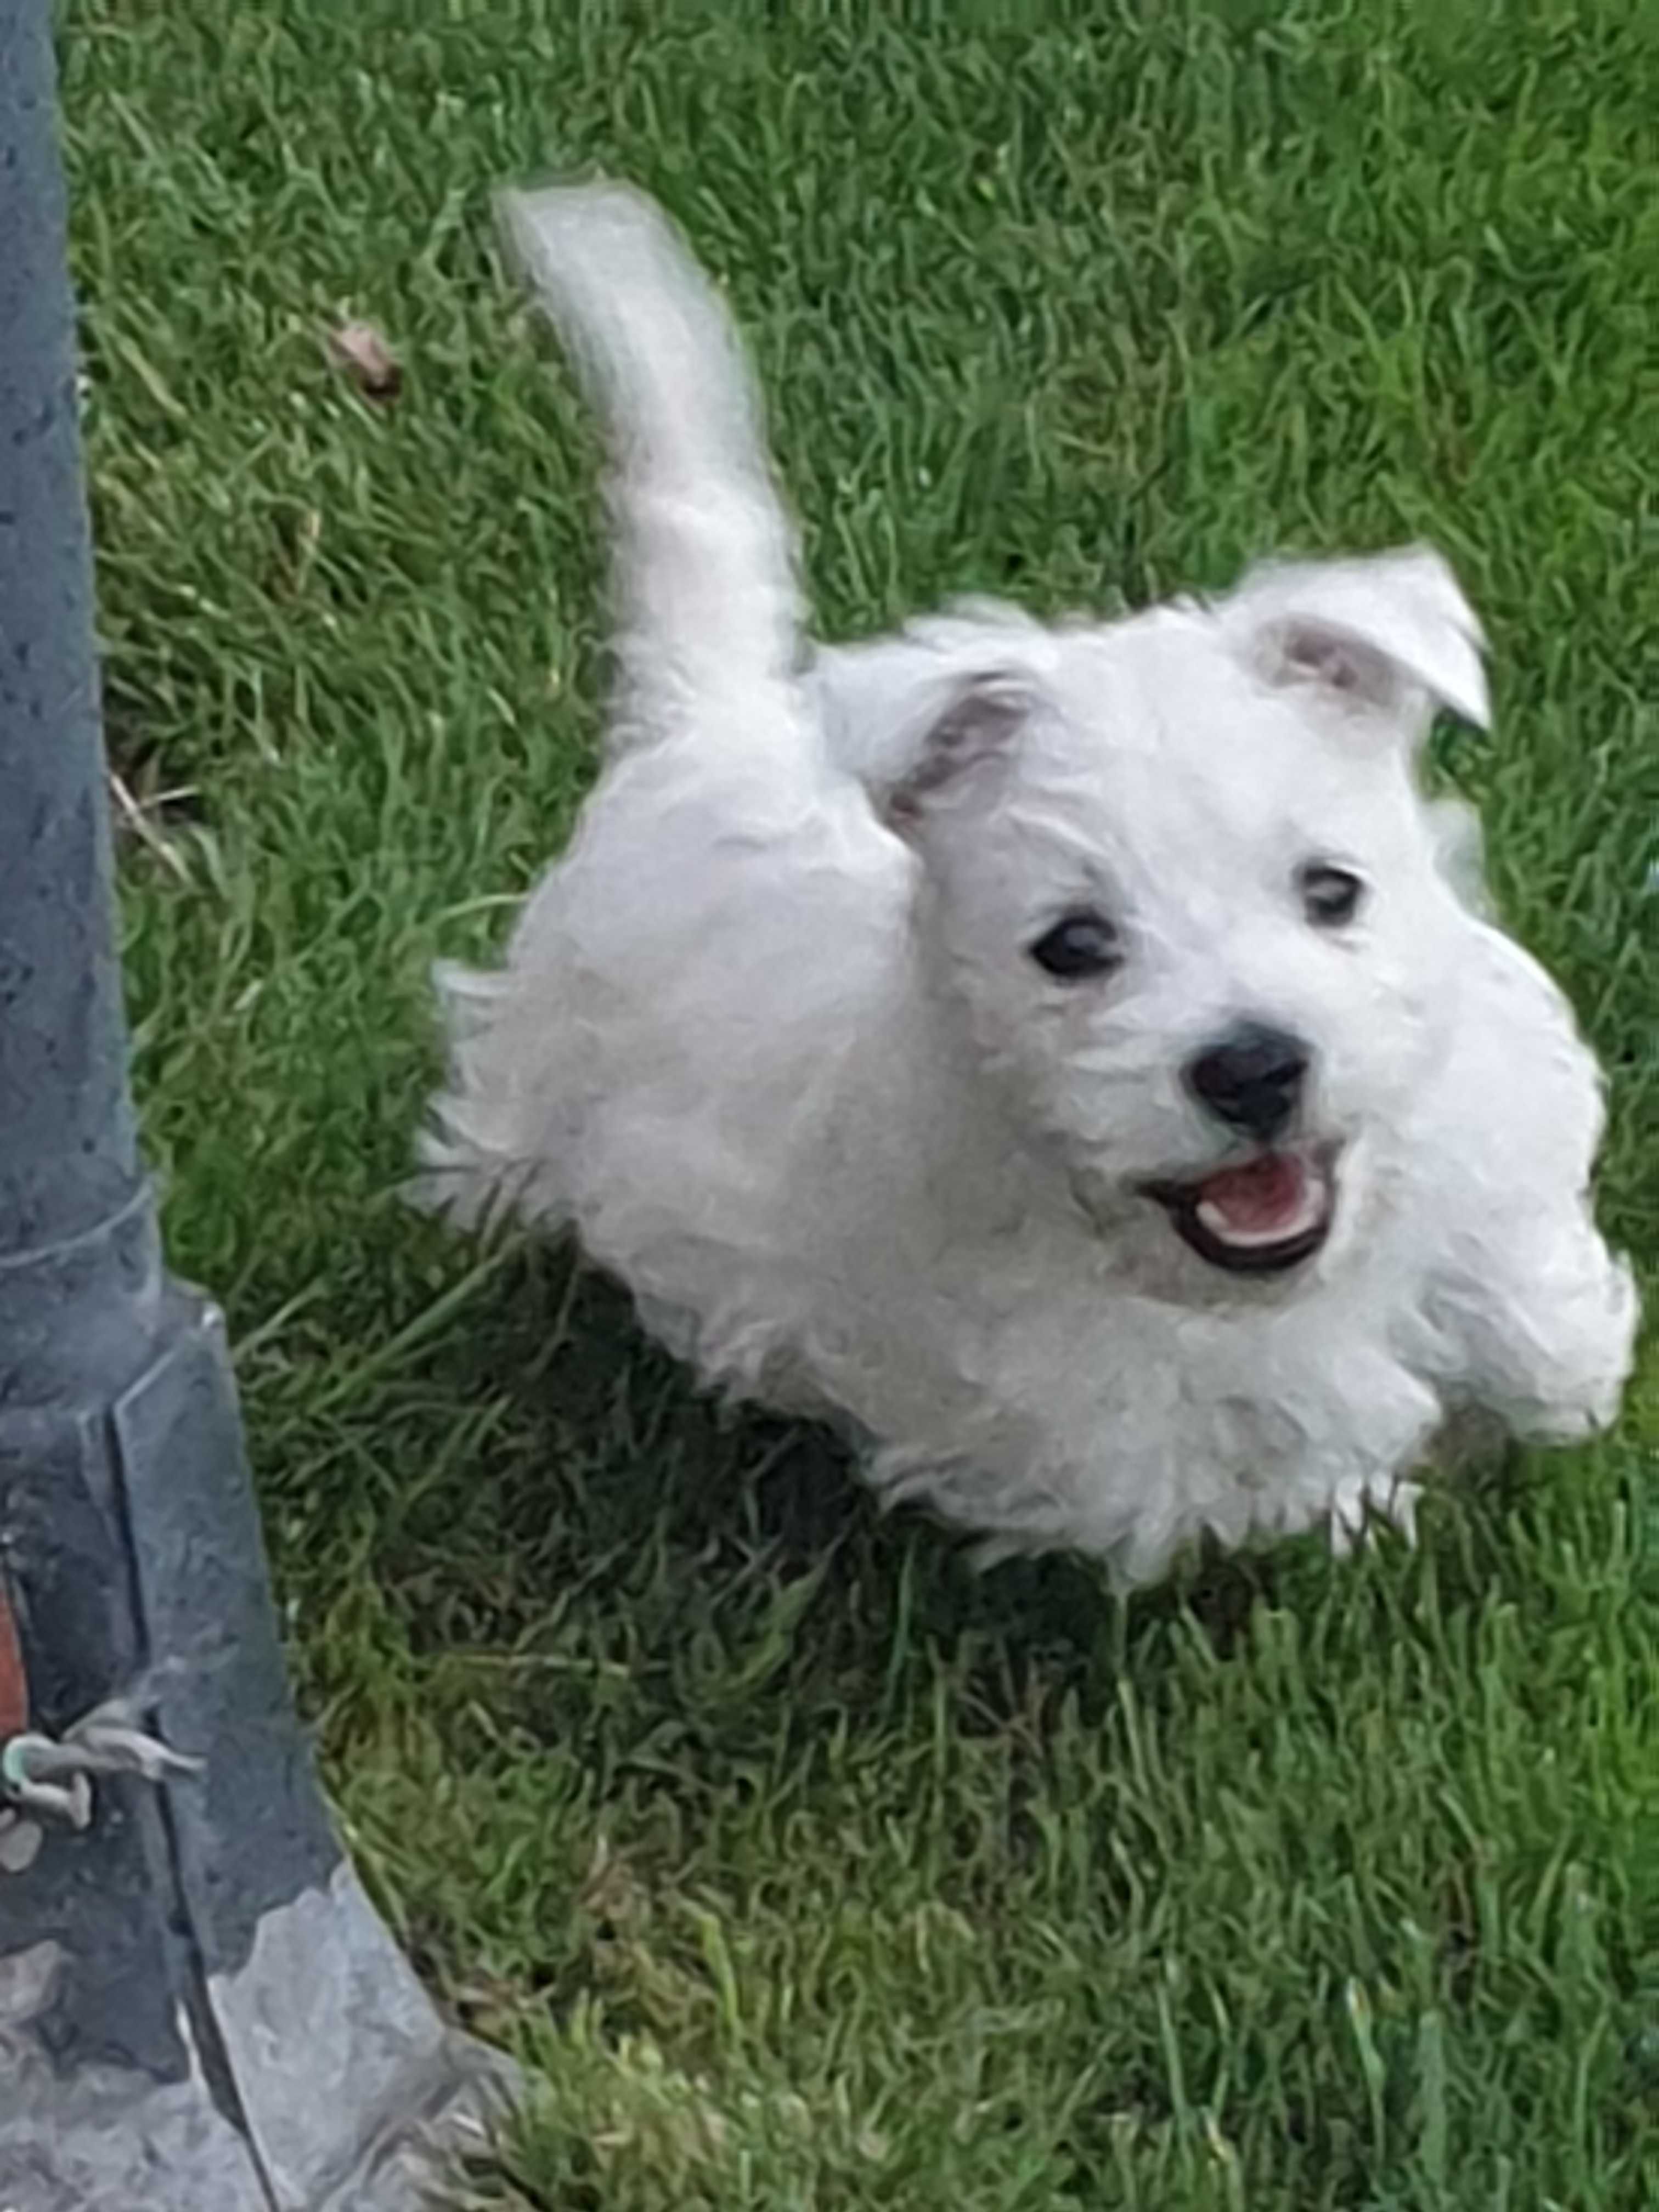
{"x": 1072, "y": 1057}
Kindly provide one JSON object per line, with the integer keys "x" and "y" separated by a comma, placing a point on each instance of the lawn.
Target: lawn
{"x": 807, "y": 1868}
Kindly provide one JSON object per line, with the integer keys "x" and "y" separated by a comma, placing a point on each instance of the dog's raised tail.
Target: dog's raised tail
{"x": 705, "y": 571}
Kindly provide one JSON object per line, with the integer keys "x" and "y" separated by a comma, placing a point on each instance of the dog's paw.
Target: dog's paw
{"x": 1360, "y": 1503}
{"x": 1578, "y": 1389}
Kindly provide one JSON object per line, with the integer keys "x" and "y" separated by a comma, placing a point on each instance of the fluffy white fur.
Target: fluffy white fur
{"x": 769, "y": 1036}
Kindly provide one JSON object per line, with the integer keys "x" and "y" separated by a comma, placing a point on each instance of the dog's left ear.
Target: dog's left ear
{"x": 1392, "y": 634}
{"x": 972, "y": 729}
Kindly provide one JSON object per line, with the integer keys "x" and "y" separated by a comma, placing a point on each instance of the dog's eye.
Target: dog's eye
{"x": 1078, "y": 946}
{"x": 1330, "y": 896}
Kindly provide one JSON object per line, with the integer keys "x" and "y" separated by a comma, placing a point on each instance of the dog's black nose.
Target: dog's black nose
{"x": 1251, "y": 1079}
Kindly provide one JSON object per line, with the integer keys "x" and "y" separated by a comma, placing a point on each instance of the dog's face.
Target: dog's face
{"x": 1180, "y": 883}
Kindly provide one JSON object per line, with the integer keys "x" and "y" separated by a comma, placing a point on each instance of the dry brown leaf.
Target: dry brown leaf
{"x": 362, "y": 353}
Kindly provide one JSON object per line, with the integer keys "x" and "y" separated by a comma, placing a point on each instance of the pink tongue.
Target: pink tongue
{"x": 1256, "y": 1197}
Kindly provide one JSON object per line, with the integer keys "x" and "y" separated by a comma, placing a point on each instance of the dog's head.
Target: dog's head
{"x": 1178, "y": 880}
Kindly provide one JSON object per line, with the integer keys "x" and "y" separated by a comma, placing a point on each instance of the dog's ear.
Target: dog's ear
{"x": 975, "y": 725}
{"x": 1392, "y": 634}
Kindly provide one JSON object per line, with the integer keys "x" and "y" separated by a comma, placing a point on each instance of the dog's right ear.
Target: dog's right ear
{"x": 1391, "y": 636}
{"x": 970, "y": 734}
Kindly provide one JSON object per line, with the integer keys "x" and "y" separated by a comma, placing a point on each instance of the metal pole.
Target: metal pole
{"x": 199, "y": 2012}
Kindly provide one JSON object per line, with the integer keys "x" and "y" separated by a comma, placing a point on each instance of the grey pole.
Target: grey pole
{"x": 199, "y": 2012}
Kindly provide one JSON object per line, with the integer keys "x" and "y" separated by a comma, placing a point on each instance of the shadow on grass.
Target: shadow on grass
{"x": 615, "y": 1487}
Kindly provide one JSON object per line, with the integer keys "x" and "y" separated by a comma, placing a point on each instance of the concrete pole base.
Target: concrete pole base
{"x": 199, "y": 2009}
{"x": 355, "y": 2097}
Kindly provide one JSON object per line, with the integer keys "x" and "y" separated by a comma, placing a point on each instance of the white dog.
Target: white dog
{"x": 1069, "y": 1056}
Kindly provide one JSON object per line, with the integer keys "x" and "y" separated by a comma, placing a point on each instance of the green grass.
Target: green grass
{"x": 810, "y": 1869}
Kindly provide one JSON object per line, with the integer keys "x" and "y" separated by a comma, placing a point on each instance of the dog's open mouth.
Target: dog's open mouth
{"x": 1265, "y": 1214}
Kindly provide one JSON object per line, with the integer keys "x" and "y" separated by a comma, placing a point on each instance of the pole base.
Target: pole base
{"x": 200, "y": 2011}
{"x": 353, "y": 2095}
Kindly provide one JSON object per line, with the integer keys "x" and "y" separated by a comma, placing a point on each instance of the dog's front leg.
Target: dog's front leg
{"x": 1545, "y": 1322}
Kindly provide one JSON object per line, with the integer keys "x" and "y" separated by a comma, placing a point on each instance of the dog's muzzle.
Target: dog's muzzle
{"x": 1261, "y": 1216}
